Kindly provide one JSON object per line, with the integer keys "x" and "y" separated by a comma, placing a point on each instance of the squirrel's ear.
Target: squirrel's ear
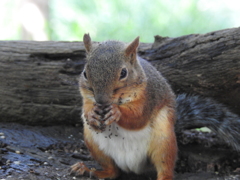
{"x": 87, "y": 42}
{"x": 132, "y": 47}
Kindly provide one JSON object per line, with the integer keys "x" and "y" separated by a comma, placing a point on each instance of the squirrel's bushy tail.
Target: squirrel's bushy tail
{"x": 197, "y": 111}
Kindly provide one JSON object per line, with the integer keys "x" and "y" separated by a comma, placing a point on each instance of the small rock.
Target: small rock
{"x": 17, "y": 152}
{"x": 16, "y": 162}
{"x": 50, "y": 157}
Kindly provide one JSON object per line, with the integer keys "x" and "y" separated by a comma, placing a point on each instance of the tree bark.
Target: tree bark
{"x": 39, "y": 80}
{"x": 205, "y": 64}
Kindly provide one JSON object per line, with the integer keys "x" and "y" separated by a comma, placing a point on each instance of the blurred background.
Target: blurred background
{"x": 68, "y": 20}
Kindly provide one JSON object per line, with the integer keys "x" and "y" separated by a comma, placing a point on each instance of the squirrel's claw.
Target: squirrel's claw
{"x": 95, "y": 121}
{"x": 98, "y": 110}
{"x": 112, "y": 116}
{"x": 80, "y": 169}
{"x": 99, "y": 118}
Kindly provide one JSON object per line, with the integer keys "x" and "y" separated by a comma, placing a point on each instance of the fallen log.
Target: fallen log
{"x": 39, "y": 80}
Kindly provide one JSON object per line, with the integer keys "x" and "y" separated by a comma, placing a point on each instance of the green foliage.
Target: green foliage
{"x": 124, "y": 20}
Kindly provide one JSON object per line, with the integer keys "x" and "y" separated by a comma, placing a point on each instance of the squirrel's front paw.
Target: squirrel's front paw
{"x": 102, "y": 116}
{"x": 113, "y": 115}
{"x": 95, "y": 119}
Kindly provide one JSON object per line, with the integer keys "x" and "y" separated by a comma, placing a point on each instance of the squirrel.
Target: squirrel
{"x": 130, "y": 113}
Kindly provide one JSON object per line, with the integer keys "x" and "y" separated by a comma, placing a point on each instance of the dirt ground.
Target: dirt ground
{"x": 46, "y": 153}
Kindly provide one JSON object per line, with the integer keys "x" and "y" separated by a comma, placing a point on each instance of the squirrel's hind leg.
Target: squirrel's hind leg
{"x": 81, "y": 169}
{"x": 109, "y": 168}
{"x": 163, "y": 145}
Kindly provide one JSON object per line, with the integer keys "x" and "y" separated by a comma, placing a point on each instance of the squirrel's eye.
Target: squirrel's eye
{"x": 84, "y": 74}
{"x": 123, "y": 73}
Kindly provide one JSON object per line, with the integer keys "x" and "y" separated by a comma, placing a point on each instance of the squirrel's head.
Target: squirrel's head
{"x": 112, "y": 69}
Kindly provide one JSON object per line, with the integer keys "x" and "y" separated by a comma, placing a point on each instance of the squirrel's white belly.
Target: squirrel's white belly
{"x": 127, "y": 148}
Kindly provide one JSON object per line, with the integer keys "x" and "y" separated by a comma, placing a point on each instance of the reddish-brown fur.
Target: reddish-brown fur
{"x": 163, "y": 146}
{"x": 110, "y": 170}
{"x": 162, "y": 150}
{"x": 132, "y": 113}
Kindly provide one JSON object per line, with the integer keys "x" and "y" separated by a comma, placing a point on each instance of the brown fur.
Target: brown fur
{"x": 163, "y": 146}
{"x": 142, "y": 98}
{"x": 132, "y": 113}
{"x": 132, "y": 48}
{"x": 110, "y": 170}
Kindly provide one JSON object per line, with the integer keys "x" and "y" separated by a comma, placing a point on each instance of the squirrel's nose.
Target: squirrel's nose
{"x": 102, "y": 100}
